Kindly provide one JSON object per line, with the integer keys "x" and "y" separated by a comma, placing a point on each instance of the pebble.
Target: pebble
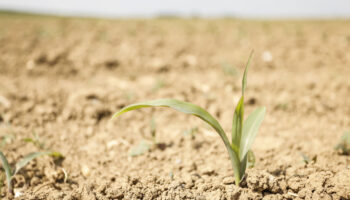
{"x": 85, "y": 170}
{"x": 228, "y": 180}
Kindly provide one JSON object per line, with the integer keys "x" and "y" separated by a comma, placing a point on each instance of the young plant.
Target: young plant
{"x": 36, "y": 140}
{"x": 344, "y": 144}
{"x": 243, "y": 132}
{"x": 10, "y": 173}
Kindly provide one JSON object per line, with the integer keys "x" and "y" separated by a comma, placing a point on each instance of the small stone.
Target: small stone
{"x": 266, "y": 56}
{"x": 112, "y": 143}
{"x": 5, "y": 102}
{"x": 228, "y": 180}
{"x": 30, "y": 65}
{"x": 85, "y": 170}
{"x": 208, "y": 171}
{"x": 18, "y": 193}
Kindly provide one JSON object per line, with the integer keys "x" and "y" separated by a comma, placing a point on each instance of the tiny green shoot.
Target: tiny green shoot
{"x": 6, "y": 139}
{"x": 344, "y": 144}
{"x": 153, "y": 130}
{"x": 36, "y": 141}
{"x": 40, "y": 144}
{"x": 307, "y": 159}
{"x": 11, "y": 172}
{"x": 243, "y": 132}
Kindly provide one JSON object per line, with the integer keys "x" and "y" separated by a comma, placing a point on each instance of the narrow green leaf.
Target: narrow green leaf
{"x": 244, "y": 80}
{"x": 28, "y": 140}
{"x": 250, "y": 159}
{"x": 26, "y": 159}
{"x": 197, "y": 111}
{"x": 56, "y": 154}
{"x": 153, "y": 129}
{"x": 244, "y": 163}
{"x": 306, "y": 158}
{"x": 344, "y": 143}
{"x": 8, "y": 171}
{"x": 180, "y": 106}
{"x": 238, "y": 116}
{"x": 247, "y": 162}
{"x": 250, "y": 129}
{"x": 237, "y": 125}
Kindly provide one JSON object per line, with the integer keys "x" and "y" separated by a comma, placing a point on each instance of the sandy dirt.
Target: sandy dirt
{"x": 61, "y": 79}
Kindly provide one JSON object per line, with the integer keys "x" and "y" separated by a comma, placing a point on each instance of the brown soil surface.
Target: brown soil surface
{"x": 62, "y": 78}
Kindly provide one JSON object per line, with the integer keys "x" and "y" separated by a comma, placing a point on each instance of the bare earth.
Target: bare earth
{"x": 62, "y": 79}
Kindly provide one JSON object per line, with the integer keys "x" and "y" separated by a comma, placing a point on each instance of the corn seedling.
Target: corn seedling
{"x": 40, "y": 144}
{"x": 6, "y": 139}
{"x": 11, "y": 172}
{"x": 344, "y": 145}
{"x": 36, "y": 141}
{"x": 307, "y": 159}
{"x": 243, "y": 132}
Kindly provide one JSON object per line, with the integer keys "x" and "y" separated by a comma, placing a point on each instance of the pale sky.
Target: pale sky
{"x": 210, "y": 8}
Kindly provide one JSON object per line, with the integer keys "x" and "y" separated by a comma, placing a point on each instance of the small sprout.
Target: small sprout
{"x": 41, "y": 145}
{"x": 171, "y": 175}
{"x": 307, "y": 160}
{"x": 6, "y": 139}
{"x": 36, "y": 141}
{"x": 282, "y": 106}
{"x": 10, "y": 173}
{"x": 243, "y": 132}
{"x": 344, "y": 144}
{"x": 228, "y": 69}
{"x": 250, "y": 159}
{"x": 153, "y": 130}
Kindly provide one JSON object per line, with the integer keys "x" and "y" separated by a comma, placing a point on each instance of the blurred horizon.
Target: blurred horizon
{"x": 268, "y": 9}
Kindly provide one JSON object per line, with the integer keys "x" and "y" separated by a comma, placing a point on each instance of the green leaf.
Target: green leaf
{"x": 250, "y": 159}
{"x": 250, "y": 129}
{"x": 247, "y": 162}
{"x": 180, "y": 106}
{"x": 26, "y": 159}
{"x": 153, "y": 129}
{"x": 195, "y": 110}
{"x": 244, "y": 80}
{"x": 56, "y": 154}
{"x": 28, "y": 140}
{"x": 238, "y": 117}
{"x": 8, "y": 171}
{"x": 237, "y": 125}
{"x": 244, "y": 163}
{"x": 307, "y": 160}
{"x": 344, "y": 143}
